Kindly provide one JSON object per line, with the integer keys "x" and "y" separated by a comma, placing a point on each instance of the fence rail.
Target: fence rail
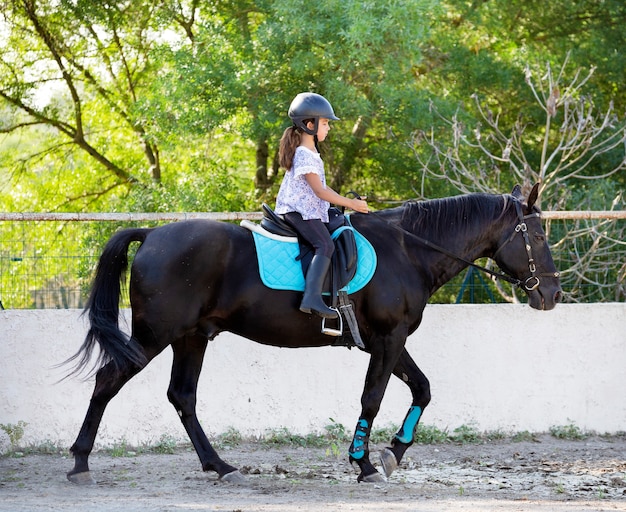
{"x": 47, "y": 259}
{"x": 231, "y": 216}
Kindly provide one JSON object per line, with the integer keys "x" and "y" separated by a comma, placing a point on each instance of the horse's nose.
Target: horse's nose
{"x": 558, "y": 295}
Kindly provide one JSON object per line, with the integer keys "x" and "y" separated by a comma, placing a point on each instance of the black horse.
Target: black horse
{"x": 192, "y": 280}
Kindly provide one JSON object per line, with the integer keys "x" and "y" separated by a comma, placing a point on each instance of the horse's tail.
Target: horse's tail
{"x": 103, "y": 309}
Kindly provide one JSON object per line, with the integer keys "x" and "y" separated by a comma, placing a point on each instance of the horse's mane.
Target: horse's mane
{"x": 441, "y": 216}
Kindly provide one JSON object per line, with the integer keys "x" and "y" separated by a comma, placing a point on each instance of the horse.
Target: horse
{"x": 193, "y": 279}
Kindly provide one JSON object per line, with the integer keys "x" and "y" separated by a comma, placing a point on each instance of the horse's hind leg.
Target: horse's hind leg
{"x": 188, "y": 356}
{"x": 407, "y": 371}
{"x": 108, "y": 383}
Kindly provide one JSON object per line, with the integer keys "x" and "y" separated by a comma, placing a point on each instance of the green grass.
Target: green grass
{"x": 166, "y": 445}
{"x": 427, "y": 434}
{"x": 525, "y": 435}
{"x": 569, "y": 431}
{"x": 334, "y": 438}
{"x": 466, "y": 434}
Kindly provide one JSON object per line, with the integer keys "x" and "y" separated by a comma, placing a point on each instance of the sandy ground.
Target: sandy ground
{"x": 547, "y": 474}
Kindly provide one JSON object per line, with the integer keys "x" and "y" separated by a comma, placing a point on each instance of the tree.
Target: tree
{"x": 578, "y": 145}
{"x": 248, "y": 60}
{"x": 94, "y": 59}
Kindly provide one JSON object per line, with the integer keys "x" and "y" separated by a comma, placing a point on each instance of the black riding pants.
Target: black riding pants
{"x": 314, "y": 231}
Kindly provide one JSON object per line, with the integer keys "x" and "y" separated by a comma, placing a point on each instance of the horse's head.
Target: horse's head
{"x": 523, "y": 253}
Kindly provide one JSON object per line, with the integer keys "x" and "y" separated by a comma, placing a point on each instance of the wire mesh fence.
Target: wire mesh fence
{"x": 48, "y": 261}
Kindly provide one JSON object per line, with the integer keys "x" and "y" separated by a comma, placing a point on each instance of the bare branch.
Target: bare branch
{"x": 573, "y": 138}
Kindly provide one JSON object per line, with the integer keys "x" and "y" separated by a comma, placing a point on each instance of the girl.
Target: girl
{"x": 304, "y": 197}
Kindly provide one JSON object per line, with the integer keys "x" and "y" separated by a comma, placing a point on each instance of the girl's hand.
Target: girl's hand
{"x": 359, "y": 205}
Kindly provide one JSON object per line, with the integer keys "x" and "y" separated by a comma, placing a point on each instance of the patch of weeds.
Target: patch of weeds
{"x": 465, "y": 434}
{"x": 282, "y": 437}
{"x": 384, "y": 434}
{"x": 338, "y": 436}
{"x": 426, "y": 434}
{"x": 569, "y": 431}
{"x": 232, "y": 437}
{"x": 121, "y": 448}
{"x": 520, "y": 437}
{"x": 620, "y": 434}
{"x": 495, "y": 435}
{"x": 336, "y": 432}
{"x": 15, "y": 432}
{"x": 46, "y": 447}
{"x": 166, "y": 445}
{"x": 315, "y": 440}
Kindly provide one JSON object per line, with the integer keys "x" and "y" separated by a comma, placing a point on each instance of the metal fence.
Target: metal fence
{"x": 47, "y": 260}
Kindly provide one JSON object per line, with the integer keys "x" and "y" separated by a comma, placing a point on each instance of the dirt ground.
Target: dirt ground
{"x": 546, "y": 474}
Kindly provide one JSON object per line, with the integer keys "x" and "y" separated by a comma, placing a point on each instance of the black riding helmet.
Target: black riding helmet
{"x": 308, "y": 105}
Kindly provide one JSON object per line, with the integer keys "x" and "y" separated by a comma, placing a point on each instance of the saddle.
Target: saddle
{"x": 284, "y": 258}
{"x": 344, "y": 260}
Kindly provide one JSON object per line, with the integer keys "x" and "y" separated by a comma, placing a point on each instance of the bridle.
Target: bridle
{"x": 532, "y": 283}
{"x": 529, "y": 284}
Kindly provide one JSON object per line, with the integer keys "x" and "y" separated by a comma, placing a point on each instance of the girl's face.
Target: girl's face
{"x": 323, "y": 128}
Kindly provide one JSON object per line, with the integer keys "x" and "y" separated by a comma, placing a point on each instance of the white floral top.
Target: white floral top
{"x": 295, "y": 194}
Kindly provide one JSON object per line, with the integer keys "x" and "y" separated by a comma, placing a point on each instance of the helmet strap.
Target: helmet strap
{"x": 305, "y": 129}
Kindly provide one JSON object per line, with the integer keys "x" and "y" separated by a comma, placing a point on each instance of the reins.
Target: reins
{"x": 529, "y": 284}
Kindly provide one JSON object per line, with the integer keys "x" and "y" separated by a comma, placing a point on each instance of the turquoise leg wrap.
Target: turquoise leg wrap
{"x": 405, "y": 434}
{"x": 359, "y": 442}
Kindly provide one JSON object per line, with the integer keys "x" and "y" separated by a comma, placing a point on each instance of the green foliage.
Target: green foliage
{"x": 15, "y": 432}
{"x": 166, "y": 445}
{"x": 144, "y": 106}
{"x": 569, "y": 431}
{"x": 232, "y": 437}
{"x": 427, "y": 434}
{"x": 121, "y": 448}
{"x": 284, "y": 437}
{"x": 383, "y": 434}
{"x": 524, "y": 436}
{"x": 466, "y": 434}
{"x": 336, "y": 432}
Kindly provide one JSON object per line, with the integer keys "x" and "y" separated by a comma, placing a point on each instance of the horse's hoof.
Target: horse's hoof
{"x": 388, "y": 461}
{"x": 373, "y": 478}
{"x": 234, "y": 477}
{"x": 83, "y": 478}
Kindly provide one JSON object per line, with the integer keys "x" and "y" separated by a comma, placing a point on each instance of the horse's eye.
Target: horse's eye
{"x": 540, "y": 238}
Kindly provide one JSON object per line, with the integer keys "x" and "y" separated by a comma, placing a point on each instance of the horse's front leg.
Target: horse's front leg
{"x": 407, "y": 371}
{"x": 384, "y": 356}
{"x": 186, "y": 367}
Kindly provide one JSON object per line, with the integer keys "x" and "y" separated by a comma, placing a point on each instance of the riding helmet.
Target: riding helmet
{"x": 309, "y": 105}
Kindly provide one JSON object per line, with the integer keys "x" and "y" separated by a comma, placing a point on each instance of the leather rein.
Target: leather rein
{"x": 529, "y": 284}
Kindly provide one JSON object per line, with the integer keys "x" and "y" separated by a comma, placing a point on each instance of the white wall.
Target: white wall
{"x": 492, "y": 366}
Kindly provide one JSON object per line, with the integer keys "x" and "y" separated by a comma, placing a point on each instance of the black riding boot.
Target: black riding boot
{"x": 312, "y": 300}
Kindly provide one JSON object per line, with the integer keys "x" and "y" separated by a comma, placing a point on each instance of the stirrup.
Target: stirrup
{"x": 338, "y": 331}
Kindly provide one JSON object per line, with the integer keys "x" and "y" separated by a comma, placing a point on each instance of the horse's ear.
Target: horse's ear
{"x": 534, "y": 194}
{"x": 517, "y": 192}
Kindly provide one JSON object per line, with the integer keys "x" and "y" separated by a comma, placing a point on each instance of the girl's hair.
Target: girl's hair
{"x": 290, "y": 140}
{"x": 287, "y": 148}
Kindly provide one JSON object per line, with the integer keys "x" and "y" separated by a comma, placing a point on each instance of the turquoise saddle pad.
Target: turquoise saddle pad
{"x": 280, "y": 270}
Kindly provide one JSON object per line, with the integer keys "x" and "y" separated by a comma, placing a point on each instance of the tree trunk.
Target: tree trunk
{"x": 261, "y": 178}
